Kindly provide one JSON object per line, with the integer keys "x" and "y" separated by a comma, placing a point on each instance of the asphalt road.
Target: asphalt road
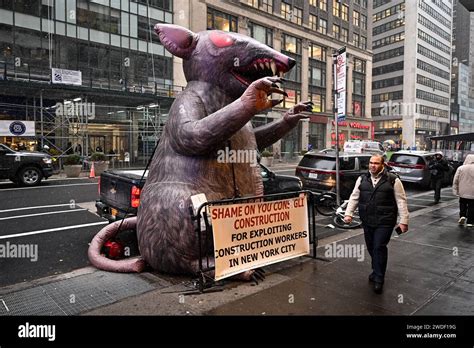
{"x": 52, "y": 217}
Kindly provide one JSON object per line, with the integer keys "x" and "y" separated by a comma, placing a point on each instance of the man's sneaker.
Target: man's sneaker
{"x": 462, "y": 220}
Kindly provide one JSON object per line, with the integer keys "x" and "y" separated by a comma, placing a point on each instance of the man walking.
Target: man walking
{"x": 463, "y": 186}
{"x": 380, "y": 196}
{"x": 438, "y": 166}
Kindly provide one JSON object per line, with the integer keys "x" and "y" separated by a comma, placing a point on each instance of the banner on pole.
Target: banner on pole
{"x": 341, "y": 80}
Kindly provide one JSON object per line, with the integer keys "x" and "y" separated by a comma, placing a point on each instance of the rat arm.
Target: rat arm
{"x": 197, "y": 134}
{"x": 268, "y": 134}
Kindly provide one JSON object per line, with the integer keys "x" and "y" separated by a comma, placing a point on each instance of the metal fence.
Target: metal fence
{"x": 204, "y": 231}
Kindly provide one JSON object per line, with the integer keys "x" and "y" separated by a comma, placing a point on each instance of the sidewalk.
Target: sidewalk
{"x": 430, "y": 272}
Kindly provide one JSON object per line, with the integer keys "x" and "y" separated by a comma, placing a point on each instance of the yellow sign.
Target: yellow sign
{"x": 252, "y": 235}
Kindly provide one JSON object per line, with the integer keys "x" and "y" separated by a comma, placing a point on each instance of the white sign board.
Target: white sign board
{"x": 66, "y": 77}
{"x": 17, "y": 128}
{"x": 341, "y": 67}
{"x": 252, "y": 235}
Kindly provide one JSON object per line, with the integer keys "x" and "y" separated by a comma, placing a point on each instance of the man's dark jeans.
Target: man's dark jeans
{"x": 436, "y": 183}
{"x": 376, "y": 239}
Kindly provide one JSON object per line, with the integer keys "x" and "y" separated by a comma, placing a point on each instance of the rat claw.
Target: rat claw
{"x": 260, "y": 276}
{"x": 261, "y": 270}
{"x": 254, "y": 279}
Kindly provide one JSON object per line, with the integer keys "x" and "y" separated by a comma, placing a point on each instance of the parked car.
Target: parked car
{"x": 120, "y": 190}
{"x": 23, "y": 167}
{"x": 317, "y": 171}
{"x": 412, "y": 166}
{"x": 364, "y": 146}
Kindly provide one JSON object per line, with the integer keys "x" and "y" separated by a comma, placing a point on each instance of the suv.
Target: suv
{"x": 317, "y": 171}
{"x": 364, "y": 146}
{"x": 412, "y": 166}
{"x": 24, "y": 168}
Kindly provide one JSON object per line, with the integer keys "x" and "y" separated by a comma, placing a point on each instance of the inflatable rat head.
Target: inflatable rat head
{"x": 228, "y": 60}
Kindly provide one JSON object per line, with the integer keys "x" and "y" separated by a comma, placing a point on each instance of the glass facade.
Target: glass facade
{"x": 126, "y": 74}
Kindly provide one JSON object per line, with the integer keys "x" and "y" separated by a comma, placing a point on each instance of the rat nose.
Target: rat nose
{"x": 291, "y": 63}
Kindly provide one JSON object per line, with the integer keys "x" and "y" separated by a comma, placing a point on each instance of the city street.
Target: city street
{"x": 51, "y": 217}
{"x": 59, "y": 217}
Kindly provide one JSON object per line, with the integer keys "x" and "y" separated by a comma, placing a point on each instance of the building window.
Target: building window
{"x": 317, "y": 52}
{"x": 220, "y": 21}
{"x": 163, "y": 4}
{"x": 294, "y": 14}
{"x": 145, "y": 30}
{"x": 291, "y": 44}
{"x": 323, "y": 26}
{"x": 358, "y": 107}
{"x": 356, "y": 18}
{"x": 336, "y": 8}
{"x": 359, "y": 86}
{"x": 98, "y": 17}
{"x": 31, "y": 7}
{"x": 294, "y": 97}
{"x": 264, "y": 5}
{"x": 261, "y": 33}
{"x": 359, "y": 66}
{"x": 323, "y": 5}
{"x": 363, "y": 22}
{"x": 292, "y": 47}
{"x": 317, "y": 76}
{"x": 356, "y": 38}
{"x": 319, "y": 101}
{"x": 313, "y": 3}
{"x": 363, "y": 42}
{"x": 336, "y": 31}
{"x": 297, "y": 16}
{"x": 344, "y": 34}
{"x": 285, "y": 10}
{"x": 345, "y": 12}
{"x": 313, "y": 22}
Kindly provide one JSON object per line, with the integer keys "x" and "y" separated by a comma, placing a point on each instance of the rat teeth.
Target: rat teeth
{"x": 274, "y": 68}
{"x": 281, "y": 73}
{"x": 262, "y": 66}
{"x": 267, "y": 65}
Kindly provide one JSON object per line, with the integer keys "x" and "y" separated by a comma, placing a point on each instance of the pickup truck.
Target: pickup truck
{"x": 120, "y": 190}
{"x": 24, "y": 168}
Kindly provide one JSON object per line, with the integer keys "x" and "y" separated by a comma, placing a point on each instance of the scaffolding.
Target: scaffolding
{"x": 150, "y": 127}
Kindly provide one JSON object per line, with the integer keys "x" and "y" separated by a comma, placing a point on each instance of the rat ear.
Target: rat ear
{"x": 177, "y": 40}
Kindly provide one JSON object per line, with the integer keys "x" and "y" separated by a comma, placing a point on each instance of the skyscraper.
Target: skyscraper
{"x": 412, "y": 69}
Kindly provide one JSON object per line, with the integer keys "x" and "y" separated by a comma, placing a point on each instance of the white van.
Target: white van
{"x": 364, "y": 146}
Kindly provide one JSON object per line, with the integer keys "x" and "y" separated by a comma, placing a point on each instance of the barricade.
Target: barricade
{"x": 204, "y": 230}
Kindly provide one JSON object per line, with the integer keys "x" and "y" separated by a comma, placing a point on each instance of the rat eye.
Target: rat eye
{"x": 220, "y": 39}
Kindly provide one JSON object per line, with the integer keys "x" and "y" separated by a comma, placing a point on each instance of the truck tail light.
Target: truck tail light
{"x": 135, "y": 196}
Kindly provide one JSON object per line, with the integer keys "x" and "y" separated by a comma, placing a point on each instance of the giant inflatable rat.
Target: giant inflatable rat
{"x": 230, "y": 79}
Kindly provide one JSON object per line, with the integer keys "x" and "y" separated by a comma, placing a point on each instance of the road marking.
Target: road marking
{"x": 5, "y": 305}
{"x": 53, "y": 230}
{"x": 7, "y": 182}
{"x": 45, "y": 186}
{"x": 36, "y": 207}
{"x": 38, "y": 214}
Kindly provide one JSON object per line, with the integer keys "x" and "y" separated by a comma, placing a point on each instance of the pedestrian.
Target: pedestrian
{"x": 438, "y": 166}
{"x": 381, "y": 197}
{"x": 463, "y": 186}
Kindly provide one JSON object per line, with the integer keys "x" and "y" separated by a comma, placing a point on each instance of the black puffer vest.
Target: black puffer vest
{"x": 377, "y": 205}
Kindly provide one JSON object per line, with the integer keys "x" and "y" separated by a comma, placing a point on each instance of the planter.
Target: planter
{"x": 73, "y": 171}
{"x": 100, "y": 167}
{"x": 267, "y": 161}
